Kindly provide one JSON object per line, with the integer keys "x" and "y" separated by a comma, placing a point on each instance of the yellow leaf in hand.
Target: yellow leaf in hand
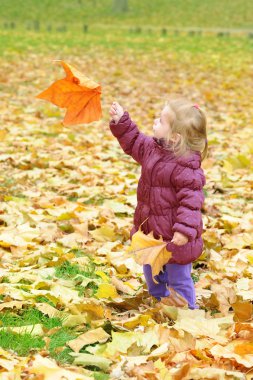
{"x": 149, "y": 250}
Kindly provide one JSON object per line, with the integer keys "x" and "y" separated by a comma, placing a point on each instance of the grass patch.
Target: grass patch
{"x": 62, "y": 355}
{"x": 20, "y": 343}
{"x": 195, "y": 278}
{"x": 23, "y": 343}
{"x": 79, "y": 252}
{"x": 208, "y": 13}
{"x": 101, "y": 376}
{"x": 29, "y": 316}
{"x": 70, "y": 271}
{"x": 44, "y": 299}
{"x": 120, "y": 41}
{"x": 5, "y": 279}
{"x": 57, "y": 343}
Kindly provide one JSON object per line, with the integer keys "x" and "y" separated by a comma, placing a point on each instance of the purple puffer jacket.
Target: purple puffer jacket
{"x": 170, "y": 190}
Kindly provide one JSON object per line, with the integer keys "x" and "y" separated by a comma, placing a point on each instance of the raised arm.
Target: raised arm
{"x": 132, "y": 141}
{"x": 188, "y": 183}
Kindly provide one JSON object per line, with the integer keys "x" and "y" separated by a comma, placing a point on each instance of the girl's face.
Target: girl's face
{"x": 161, "y": 127}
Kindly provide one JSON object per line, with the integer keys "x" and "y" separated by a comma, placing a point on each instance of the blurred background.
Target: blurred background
{"x": 159, "y": 13}
{"x": 119, "y": 22}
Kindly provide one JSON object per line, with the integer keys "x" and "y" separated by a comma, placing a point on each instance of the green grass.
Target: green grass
{"x": 114, "y": 32}
{"x": 28, "y": 317}
{"x": 57, "y": 341}
{"x": 195, "y": 277}
{"x": 101, "y": 376}
{"x": 209, "y": 47}
{"x": 20, "y": 343}
{"x": 207, "y": 13}
{"x": 23, "y": 343}
{"x": 44, "y": 299}
{"x": 62, "y": 356}
{"x": 5, "y": 279}
{"x": 79, "y": 252}
{"x": 68, "y": 270}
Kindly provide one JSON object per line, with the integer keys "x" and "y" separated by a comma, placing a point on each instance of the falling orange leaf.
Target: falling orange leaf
{"x": 76, "y": 92}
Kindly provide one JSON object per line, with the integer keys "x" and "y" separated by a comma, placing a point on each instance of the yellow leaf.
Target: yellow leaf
{"x": 74, "y": 320}
{"x": 64, "y": 293}
{"x": 103, "y": 233}
{"x": 49, "y": 310}
{"x": 202, "y": 327}
{"x": 3, "y": 134}
{"x": 84, "y": 359}
{"x": 89, "y": 337}
{"x": 163, "y": 370}
{"x": 90, "y": 307}
{"x": 65, "y": 216}
{"x": 26, "y": 329}
{"x": 118, "y": 207}
{"x": 121, "y": 286}
{"x": 106, "y": 291}
{"x": 239, "y": 161}
{"x": 250, "y": 257}
{"x": 213, "y": 373}
{"x": 149, "y": 250}
{"x": 12, "y": 304}
{"x": 122, "y": 263}
{"x": 132, "y": 322}
{"x": 121, "y": 342}
{"x": 102, "y": 275}
{"x": 237, "y": 241}
{"x": 229, "y": 352}
{"x": 51, "y": 371}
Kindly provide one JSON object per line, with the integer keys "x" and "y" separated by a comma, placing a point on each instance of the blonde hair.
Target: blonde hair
{"x": 190, "y": 123}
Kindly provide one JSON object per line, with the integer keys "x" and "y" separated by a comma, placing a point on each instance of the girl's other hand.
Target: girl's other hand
{"x": 116, "y": 111}
{"x": 179, "y": 239}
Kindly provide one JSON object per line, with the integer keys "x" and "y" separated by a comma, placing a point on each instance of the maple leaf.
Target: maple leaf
{"x": 148, "y": 250}
{"x": 76, "y": 92}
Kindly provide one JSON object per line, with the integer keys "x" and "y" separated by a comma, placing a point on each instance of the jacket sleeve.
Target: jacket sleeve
{"x": 132, "y": 141}
{"x": 188, "y": 183}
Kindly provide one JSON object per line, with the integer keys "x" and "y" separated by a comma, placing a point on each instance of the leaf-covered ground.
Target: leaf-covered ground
{"x": 71, "y": 303}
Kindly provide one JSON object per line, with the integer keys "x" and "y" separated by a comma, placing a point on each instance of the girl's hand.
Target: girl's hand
{"x": 116, "y": 111}
{"x": 179, "y": 239}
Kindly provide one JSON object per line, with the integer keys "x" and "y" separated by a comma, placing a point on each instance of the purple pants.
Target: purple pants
{"x": 176, "y": 276}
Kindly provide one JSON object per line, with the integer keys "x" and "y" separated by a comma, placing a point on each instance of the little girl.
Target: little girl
{"x": 170, "y": 191}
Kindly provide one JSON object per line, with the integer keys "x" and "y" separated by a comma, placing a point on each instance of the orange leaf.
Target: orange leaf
{"x": 244, "y": 348}
{"x": 76, "y": 92}
{"x": 243, "y": 310}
